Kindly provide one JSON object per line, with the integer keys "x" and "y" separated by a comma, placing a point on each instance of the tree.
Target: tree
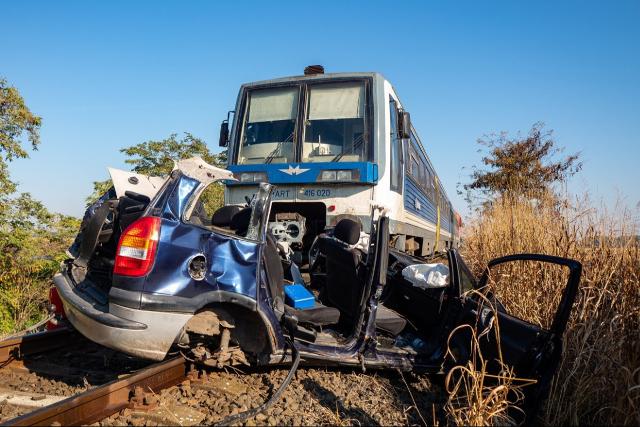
{"x": 32, "y": 239}
{"x": 16, "y": 120}
{"x": 156, "y": 158}
{"x": 522, "y": 165}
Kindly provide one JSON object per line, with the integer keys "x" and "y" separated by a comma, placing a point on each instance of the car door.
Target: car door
{"x": 532, "y": 350}
{"x": 197, "y": 264}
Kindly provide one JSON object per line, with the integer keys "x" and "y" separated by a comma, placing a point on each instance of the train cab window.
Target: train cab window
{"x": 269, "y": 126}
{"x": 395, "y": 150}
{"x": 336, "y": 123}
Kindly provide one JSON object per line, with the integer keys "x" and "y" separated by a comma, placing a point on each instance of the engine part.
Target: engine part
{"x": 288, "y": 227}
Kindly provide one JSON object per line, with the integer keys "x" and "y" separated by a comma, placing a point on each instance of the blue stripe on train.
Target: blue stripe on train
{"x": 425, "y": 208}
{"x": 306, "y": 173}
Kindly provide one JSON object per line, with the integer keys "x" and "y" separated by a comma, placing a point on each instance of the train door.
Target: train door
{"x": 394, "y": 145}
{"x": 395, "y": 150}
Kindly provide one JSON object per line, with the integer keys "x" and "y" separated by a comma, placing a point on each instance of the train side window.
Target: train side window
{"x": 395, "y": 148}
{"x": 414, "y": 167}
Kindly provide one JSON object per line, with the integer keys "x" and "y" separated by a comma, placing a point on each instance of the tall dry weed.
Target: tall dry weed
{"x": 598, "y": 380}
{"x": 478, "y": 397}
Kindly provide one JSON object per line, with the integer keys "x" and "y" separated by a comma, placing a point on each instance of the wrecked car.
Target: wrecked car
{"x": 153, "y": 273}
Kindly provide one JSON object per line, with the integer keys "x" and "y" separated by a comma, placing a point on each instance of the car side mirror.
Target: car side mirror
{"x": 404, "y": 124}
{"x": 224, "y": 133}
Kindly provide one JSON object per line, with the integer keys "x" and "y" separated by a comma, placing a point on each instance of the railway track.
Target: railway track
{"x": 100, "y": 402}
{"x": 14, "y": 350}
{"x": 81, "y": 388}
{"x": 28, "y": 361}
{"x": 132, "y": 390}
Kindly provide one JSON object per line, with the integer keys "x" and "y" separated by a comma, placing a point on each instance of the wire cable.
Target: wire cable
{"x": 29, "y": 329}
{"x": 243, "y": 416}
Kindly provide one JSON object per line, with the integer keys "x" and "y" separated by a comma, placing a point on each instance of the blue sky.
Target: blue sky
{"x": 109, "y": 75}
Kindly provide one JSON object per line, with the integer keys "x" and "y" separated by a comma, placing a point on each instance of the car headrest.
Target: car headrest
{"x": 240, "y": 221}
{"x": 223, "y": 216}
{"x": 348, "y": 231}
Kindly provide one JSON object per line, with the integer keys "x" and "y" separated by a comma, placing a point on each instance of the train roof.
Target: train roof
{"x": 376, "y": 76}
{"x": 315, "y": 77}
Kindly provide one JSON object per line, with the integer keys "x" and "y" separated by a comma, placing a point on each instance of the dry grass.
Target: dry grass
{"x": 477, "y": 397}
{"x": 598, "y": 381}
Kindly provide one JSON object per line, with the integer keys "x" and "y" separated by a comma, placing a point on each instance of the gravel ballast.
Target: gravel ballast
{"x": 315, "y": 396}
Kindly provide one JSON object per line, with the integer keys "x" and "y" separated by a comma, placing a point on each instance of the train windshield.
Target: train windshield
{"x": 335, "y": 123}
{"x": 269, "y": 126}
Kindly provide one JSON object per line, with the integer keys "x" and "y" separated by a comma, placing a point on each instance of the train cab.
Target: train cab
{"x": 334, "y": 145}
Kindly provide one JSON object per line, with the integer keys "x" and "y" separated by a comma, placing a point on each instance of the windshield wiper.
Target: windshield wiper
{"x": 272, "y": 155}
{"x": 358, "y": 142}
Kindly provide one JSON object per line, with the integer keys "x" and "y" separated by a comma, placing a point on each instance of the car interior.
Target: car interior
{"x": 339, "y": 284}
{"x": 97, "y": 241}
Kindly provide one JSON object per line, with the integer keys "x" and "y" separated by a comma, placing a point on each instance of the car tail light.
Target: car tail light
{"x": 137, "y": 247}
{"x": 56, "y": 309}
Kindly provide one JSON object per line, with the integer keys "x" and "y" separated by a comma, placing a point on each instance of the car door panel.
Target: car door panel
{"x": 518, "y": 339}
{"x": 533, "y": 352}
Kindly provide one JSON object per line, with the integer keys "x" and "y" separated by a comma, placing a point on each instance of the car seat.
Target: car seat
{"x": 223, "y": 216}
{"x": 347, "y": 277}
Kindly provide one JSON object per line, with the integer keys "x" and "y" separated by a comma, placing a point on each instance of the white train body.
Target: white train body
{"x": 334, "y": 145}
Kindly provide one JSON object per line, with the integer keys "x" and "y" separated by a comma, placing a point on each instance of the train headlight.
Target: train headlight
{"x": 248, "y": 177}
{"x": 339, "y": 175}
{"x": 328, "y": 176}
{"x": 260, "y": 177}
{"x": 345, "y": 175}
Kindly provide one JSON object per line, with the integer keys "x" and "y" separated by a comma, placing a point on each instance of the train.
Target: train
{"x": 334, "y": 145}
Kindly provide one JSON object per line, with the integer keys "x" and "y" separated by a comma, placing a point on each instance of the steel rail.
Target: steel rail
{"x": 16, "y": 348}
{"x": 98, "y": 403}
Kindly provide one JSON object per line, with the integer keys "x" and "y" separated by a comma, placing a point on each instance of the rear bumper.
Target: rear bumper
{"x": 142, "y": 333}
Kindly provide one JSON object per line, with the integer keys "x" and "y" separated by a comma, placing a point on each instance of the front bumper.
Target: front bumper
{"x": 142, "y": 333}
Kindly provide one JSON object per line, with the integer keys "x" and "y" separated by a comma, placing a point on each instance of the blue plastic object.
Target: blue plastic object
{"x": 298, "y": 297}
